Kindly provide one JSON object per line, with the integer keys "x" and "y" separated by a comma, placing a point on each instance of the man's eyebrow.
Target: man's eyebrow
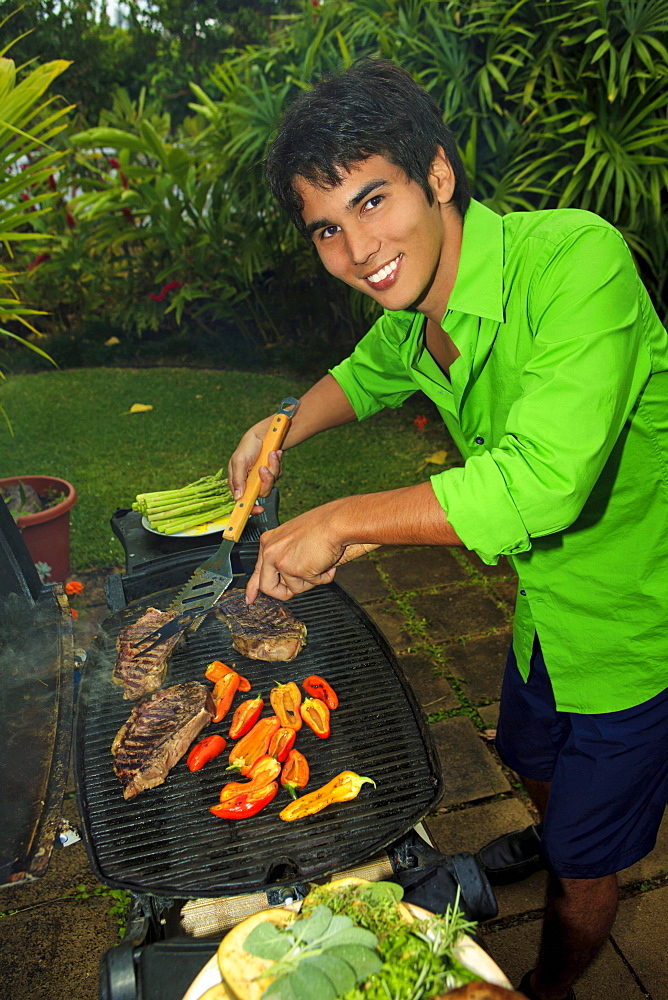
{"x": 363, "y": 193}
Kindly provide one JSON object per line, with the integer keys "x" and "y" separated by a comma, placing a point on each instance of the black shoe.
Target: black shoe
{"x": 525, "y": 988}
{"x": 512, "y": 857}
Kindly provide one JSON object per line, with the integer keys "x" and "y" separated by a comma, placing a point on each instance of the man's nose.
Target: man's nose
{"x": 362, "y": 246}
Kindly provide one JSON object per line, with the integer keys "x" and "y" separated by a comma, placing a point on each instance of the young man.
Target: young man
{"x": 538, "y": 344}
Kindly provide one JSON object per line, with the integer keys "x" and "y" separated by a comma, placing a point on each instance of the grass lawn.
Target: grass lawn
{"x": 75, "y": 424}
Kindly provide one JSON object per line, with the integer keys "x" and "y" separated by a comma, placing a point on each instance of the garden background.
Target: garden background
{"x": 140, "y": 250}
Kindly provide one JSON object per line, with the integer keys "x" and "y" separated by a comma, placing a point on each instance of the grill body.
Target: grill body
{"x": 167, "y": 843}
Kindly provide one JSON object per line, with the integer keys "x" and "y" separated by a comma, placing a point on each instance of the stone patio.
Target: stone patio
{"x": 448, "y": 617}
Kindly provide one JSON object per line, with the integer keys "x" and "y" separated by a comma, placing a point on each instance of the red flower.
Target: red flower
{"x": 128, "y": 214}
{"x": 39, "y": 259}
{"x": 74, "y": 613}
{"x": 420, "y": 422}
{"x": 73, "y": 587}
{"x": 51, "y": 182}
{"x": 113, "y": 162}
{"x": 69, "y": 218}
{"x": 165, "y": 290}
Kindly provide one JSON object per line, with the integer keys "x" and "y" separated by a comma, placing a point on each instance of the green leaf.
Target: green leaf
{"x": 339, "y": 923}
{"x": 363, "y": 961}
{"x": 340, "y": 973}
{"x": 352, "y": 936}
{"x": 307, "y": 981}
{"x": 313, "y": 927}
{"x": 280, "y": 989}
{"x": 267, "y": 941}
{"x": 379, "y": 891}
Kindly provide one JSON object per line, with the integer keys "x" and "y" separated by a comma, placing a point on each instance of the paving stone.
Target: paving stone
{"x": 640, "y": 934}
{"x": 480, "y": 664}
{"x": 514, "y": 949}
{"x": 417, "y": 569}
{"x": 527, "y": 896}
{"x": 502, "y": 568}
{"x": 506, "y": 591}
{"x": 55, "y": 951}
{"x": 361, "y": 580}
{"x": 470, "y": 829}
{"x": 458, "y": 611}
{"x": 655, "y": 863}
{"x": 432, "y": 689}
{"x": 489, "y": 714}
{"x": 392, "y": 624}
{"x": 470, "y": 772}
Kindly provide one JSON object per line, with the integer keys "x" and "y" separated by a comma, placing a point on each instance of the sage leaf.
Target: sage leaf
{"x": 339, "y": 972}
{"x": 340, "y": 922}
{"x": 364, "y": 961}
{"x": 313, "y": 927}
{"x": 379, "y": 891}
{"x": 308, "y": 982}
{"x": 351, "y": 935}
{"x": 280, "y": 989}
{"x": 267, "y": 941}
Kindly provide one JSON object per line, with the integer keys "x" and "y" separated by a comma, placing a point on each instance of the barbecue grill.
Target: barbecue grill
{"x": 191, "y": 876}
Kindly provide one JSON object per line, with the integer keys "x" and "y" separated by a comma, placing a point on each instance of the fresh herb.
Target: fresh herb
{"x": 323, "y": 955}
{"x": 417, "y": 958}
{"x": 170, "y": 511}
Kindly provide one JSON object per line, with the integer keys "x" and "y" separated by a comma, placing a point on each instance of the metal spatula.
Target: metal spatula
{"x": 210, "y": 580}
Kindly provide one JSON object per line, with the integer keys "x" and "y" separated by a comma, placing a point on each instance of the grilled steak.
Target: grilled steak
{"x": 158, "y": 733}
{"x": 140, "y": 673}
{"x": 263, "y": 630}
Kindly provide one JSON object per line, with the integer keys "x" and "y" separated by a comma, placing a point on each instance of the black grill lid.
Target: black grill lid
{"x": 166, "y": 842}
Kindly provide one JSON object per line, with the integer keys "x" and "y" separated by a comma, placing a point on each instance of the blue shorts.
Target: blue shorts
{"x": 609, "y": 772}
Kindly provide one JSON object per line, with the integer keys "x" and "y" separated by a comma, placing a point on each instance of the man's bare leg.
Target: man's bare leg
{"x": 579, "y": 914}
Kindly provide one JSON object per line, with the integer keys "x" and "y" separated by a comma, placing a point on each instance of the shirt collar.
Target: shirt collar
{"x": 478, "y": 287}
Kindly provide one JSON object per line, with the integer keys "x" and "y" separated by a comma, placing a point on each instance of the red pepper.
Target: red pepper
{"x": 318, "y": 687}
{"x": 285, "y": 700}
{"x": 316, "y": 715}
{"x": 253, "y": 745}
{"x": 245, "y": 717}
{"x": 246, "y": 803}
{"x": 295, "y": 773}
{"x": 224, "y": 691}
{"x": 282, "y": 743}
{"x": 218, "y": 669}
{"x": 204, "y": 751}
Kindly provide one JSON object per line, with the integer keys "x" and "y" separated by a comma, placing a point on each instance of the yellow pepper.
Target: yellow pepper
{"x": 342, "y": 788}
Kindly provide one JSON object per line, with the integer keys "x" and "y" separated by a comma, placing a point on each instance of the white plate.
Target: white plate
{"x": 207, "y": 528}
{"x": 470, "y": 954}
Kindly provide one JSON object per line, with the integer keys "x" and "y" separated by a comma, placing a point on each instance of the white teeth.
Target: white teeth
{"x": 384, "y": 271}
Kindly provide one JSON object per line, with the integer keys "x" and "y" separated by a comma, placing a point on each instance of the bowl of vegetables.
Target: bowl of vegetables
{"x": 350, "y": 939}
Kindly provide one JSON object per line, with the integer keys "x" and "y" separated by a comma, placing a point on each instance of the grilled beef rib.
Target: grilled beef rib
{"x": 263, "y": 630}
{"x": 140, "y": 673}
{"x": 158, "y": 733}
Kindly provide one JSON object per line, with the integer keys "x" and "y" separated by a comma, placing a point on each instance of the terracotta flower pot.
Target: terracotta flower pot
{"x": 47, "y": 533}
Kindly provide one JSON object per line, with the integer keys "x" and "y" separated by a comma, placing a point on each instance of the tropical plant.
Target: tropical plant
{"x": 28, "y": 124}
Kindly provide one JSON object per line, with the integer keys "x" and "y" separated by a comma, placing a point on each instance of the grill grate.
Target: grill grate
{"x": 166, "y": 842}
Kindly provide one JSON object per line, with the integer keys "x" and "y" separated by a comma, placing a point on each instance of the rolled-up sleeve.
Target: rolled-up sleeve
{"x": 589, "y": 361}
{"x": 375, "y": 375}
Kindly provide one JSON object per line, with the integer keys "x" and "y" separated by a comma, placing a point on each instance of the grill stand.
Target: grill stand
{"x": 167, "y": 940}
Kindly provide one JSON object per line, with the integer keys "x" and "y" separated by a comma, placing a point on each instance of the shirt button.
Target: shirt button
{"x": 523, "y": 593}
{"x": 479, "y": 440}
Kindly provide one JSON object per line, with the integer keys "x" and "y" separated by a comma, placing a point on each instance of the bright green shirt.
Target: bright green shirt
{"x": 559, "y": 406}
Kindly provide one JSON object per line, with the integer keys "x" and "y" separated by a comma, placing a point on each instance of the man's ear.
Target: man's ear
{"x": 441, "y": 177}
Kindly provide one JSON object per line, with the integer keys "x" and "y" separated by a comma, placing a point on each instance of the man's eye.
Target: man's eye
{"x": 373, "y": 202}
{"x": 328, "y": 232}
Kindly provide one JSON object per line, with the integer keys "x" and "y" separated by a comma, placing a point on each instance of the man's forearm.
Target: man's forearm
{"x": 323, "y": 406}
{"x": 408, "y": 516}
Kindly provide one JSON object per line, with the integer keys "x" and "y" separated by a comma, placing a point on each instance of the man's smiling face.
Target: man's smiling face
{"x": 377, "y": 232}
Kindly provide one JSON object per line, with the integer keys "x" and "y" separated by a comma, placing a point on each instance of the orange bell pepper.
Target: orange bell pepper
{"x": 245, "y": 717}
{"x": 218, "y": 669}
{"x": 318, "y": 687}
{"x": 246, "y": 803}
{"x": 342, "y": 788}
{"x": 285, "y": 700}
{"x": 295, "y": 773}
{"x": 263, "y": 772}
{"x": 224, "y": 691}
{"x": 253, "y": 745}
{"x": 316, "y": 716}
{"x": 282, "y": 743}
